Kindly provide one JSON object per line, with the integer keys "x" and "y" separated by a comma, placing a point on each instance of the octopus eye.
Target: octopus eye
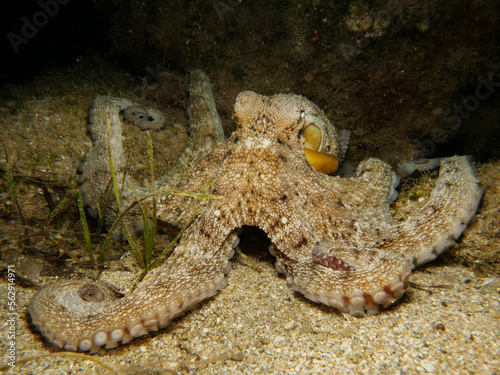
{"x": 320, "y": 161}
{"x": 313, "y": 137}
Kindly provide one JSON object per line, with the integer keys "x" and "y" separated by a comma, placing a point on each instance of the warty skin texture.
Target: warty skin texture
{"x": 262, "y": 179}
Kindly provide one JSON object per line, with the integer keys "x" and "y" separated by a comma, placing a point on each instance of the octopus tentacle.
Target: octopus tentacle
{"x": 206, "y": 130}
{"x": 84, "y": 315}
{"x": 70, "y": 319}
{"x": 377, "y": 281}
{"x": 145, "y": 118}
{"x": 442, "y": 220}
{"x": 379, "y": 179}
{"x": 421, "y": 165}
{"x": 344, "y": 138}
{"x": 384, "y": 262}
{"x": 104, "y": 118}
{"x": 95, "y": 174}
{"x": 329, "y": 260}
{"x": 347, "y": 272}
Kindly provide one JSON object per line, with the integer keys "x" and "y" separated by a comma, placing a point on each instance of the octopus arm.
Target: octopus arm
{"x": 368, "y": 196}
{"x": 179, "y": 207}
{"x": 442, "y": 220}
{"x": 106, "y": 133}
{"x": 206, "y": 131}
{"x": 85, "y": 315}
{"x": 380, "y": 262}
{"x": 378, "y": 279}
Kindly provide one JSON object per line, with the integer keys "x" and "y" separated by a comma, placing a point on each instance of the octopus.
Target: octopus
{"x": 333, "y": 238}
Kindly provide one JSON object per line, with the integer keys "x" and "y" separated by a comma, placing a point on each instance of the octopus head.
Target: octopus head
{"x": 272, "y": 115}
{"x": 291, "y": 119}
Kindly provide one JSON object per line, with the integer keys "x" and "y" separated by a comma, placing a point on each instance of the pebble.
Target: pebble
{"x": 288, "y": 326}
{"x": 265, "y": 341}
{"x": 428, "y": 366}
{"x": 279, "y": 339}
{"x": 237, "y": 356}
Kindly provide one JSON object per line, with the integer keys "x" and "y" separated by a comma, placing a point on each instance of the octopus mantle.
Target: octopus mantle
{"x": 333, "y": 238}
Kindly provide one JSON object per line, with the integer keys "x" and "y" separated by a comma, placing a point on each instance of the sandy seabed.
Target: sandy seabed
{"x": 258, "y": 325}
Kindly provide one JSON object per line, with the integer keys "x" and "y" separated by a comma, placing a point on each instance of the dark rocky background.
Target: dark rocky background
{"x": 393, "y": 72}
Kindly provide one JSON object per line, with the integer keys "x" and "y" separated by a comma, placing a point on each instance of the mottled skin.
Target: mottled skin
{"x": 262, "y": 179}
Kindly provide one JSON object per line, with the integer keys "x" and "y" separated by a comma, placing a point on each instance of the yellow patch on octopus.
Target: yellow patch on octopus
{"x": 313, "y": 138}
{"x": 320, "y": 161}
{"x": 323, "y": 163}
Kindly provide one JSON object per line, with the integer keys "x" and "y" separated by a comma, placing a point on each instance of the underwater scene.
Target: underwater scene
{"x": 250, "y": 187}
